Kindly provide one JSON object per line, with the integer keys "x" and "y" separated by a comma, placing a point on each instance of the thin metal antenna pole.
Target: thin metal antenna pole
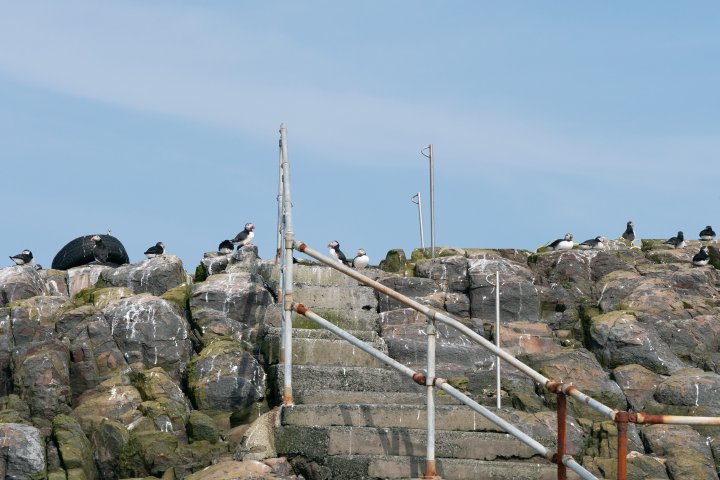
{"x": 429, "y": 156}
{"x": 420, "y": 218}
{"x": 497, "y": 335}
{"x": 289, "y": 242}
{"x": 279, "y": 246}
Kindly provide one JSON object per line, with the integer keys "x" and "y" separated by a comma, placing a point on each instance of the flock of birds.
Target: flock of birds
{"x": 700, "y": 259}
{"x": 101, "y": 252}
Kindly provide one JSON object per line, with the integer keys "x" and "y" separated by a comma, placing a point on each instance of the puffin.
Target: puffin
{"x": 100, "y": 250}
{"x": 23, "y": 258}
{"x": 701, "y": 258}
{"x": 677, "y": 242}
{"x": 245, "y": 237}
{"x": 361, "y": 259}
{"x": 336, "y": 253}
{"x": 629, "y": 233}
{"x": 597, "y": 243}
{"x": 707, "y": 233}
{"x": 156, "y": 250}
{"x": 562, "y": 243}
{"x": 225, "y": 247}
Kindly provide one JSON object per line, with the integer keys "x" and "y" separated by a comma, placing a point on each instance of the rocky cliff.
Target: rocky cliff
{"x": 145, "y": 371}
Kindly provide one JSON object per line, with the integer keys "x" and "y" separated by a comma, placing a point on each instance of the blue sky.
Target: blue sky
{"x": 159, "y": 120}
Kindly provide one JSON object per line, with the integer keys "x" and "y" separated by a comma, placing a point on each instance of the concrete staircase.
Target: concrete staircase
{"x": 357, "y": 419}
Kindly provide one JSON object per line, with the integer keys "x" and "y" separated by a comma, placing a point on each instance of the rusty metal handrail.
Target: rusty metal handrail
{"x": 621, "y": 418}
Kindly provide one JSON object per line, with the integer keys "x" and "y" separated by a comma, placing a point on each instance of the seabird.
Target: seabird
{"x": 562, "y": 243}
{"x": 22, "y": 258}
{"x": 677, "y": 242}
{"x": 225, "y": 247}
{"x": 245, "y": 237}
{"x": 629, "y": 233}
{"x": 597, "y": 243}
{"x": 336, "y": 253}
{"x": 361, "y": 259}
{"x": 155, "y": 250}
{"x": 100, "y": 250}
{"x": 701, "y": 258}
{"x": 707, "y": 233}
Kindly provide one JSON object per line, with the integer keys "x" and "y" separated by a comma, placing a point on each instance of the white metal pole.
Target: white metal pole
{"x": 289, "y": 241}
{"x": 432, "y": 203}
{"x": 497, "y": 336}
{"x": 430, "y": 468}
{"x": 420, "y": 218}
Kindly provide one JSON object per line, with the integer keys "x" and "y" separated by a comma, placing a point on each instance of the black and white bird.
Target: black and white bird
{"x": 225, "y": 247}
{"x": 23, "y": 258}
{"x": 156, "y": 250}
{"x": 677, "y": 242}
{"x": 336, "y": 253}
{"x": 100, "y": 250}
{"x": 597, "y": 243}
{"x": 245, "y": 237}
{"x": 562, "y": 243}
{"x": 701, "y": 258}
{"x": 629, "y": 233}
{"x": 361, "y": 259}
{"x": 707, "y": 233}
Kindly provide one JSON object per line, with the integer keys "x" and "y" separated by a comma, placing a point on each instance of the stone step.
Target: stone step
{"x": 319, "y": 442}
{"x": 349, "y": 379}
{"x": 308, "y": 397}
{"x": 447, "y": 417}
{"x": 321, "y": 347}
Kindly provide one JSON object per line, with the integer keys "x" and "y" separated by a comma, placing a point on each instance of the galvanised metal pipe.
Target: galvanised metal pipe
{"x": 279, "y": 247}
{"x": 289, "y": 241}
{"x": 649, "y": 419}
{"x": 497, "y": 337}
{"x": 561, "y": 435}
{"x": 568, "y": 389}
{"x": 431, "y": 332}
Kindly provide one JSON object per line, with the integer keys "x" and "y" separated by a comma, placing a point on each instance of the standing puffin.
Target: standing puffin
{"x": 562, "y": 243}
{"x": 336, "y": 253}
{"x": 156, "y": 250}
{"x": 225, "y": 247}
{"x": 245, "y": 237}
{"x": 23, "y": 258}
{"x": 100, "y": 250}
{"x": 707, "y": 234}
{"x": 677, "y": 242}
{"x": 597, "y": 243}
{"x": 361, "y": 259}
{"x": 629, "y": 233}
{"x": 701, "y": 258}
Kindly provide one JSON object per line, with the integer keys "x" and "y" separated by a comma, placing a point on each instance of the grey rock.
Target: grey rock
{"x": 450, "y": 272}
{"x": 20, "y": 282}
{"x": 56, "y": 282}
{"x": 154, "y": 275}
{"x": 75, "y": 448}
{"x": 22, "y": 452}
{"x": 637, "y": 383}
{"x": 83, "y": 277}
{"x": 238, "y": 296}
{"x": 687, "y": 453}
{"x": 151, "y": 332}
{"x": 215, "y": 262}
{"x": 33, "y": 318}
{"x": 42, "y": 378}
{"x": 414, "y": 287}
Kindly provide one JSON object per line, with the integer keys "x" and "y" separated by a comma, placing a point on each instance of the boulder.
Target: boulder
{"x": 33, "y": 319}
{"x": 451, "y": 273}
{"x": 152, "y": 332}
{"x": 519, "y": 296}
{"x": 618, "y": 338}
{"x": 238, "y": 296}
{"x": 108, "y": 438}
{"x": 691, "y": 388}
{"x": 80, "y": 278}
{"x": 154, "y": 275}
{"x": 637, "y": 383}
{"x": 75, "y": 448}
{"x": 615, "y": 287}
{"x": 201, "y": 426}
{"x": 113, "y": 399}
{"x": 7, "y": 344}
{"x": 225, "y": 377}
{"x": 22, "y": 452}
{"x": 56, "y": 282}
{"x": 214, "y": 263}
{"x": 416, "y": 288}
{"x": 20, "y": 282}
{"x": 686, "y": 452}
{"x": 42, "y": 378}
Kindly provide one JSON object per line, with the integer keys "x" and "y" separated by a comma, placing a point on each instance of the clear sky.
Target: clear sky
{"x": 159, "y": 120}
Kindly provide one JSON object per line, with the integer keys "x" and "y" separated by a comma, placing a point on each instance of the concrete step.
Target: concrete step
{"x": 351, "y": 397}
{"x": 447, "y": 417}
{"x": 349, "y": 379}
{"x": 321, "y": 347}
{"x": 320, "y": 442}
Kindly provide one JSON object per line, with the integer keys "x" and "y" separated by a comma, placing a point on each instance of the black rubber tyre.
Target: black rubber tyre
{"x": 80, "y": 252}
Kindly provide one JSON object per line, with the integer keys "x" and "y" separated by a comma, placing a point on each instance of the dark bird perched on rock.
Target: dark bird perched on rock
{"x": 156, "y": 250}
{"x": 336, "y": 253}
{"x": 100, "y": 250}
{"x": 701, "y": 258}
{"x": 225, "y": 247}
{"x": 629, "y": 233}
{"x": 361, "y": 259}
{"x": 246, "y": 236}
{"x": 23, "y": 258}
{"x": 562, "y": 243}
{"x": 677, "y": 242}
{"x": 597, "y": 243}
{"x": 707, "y": 233}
